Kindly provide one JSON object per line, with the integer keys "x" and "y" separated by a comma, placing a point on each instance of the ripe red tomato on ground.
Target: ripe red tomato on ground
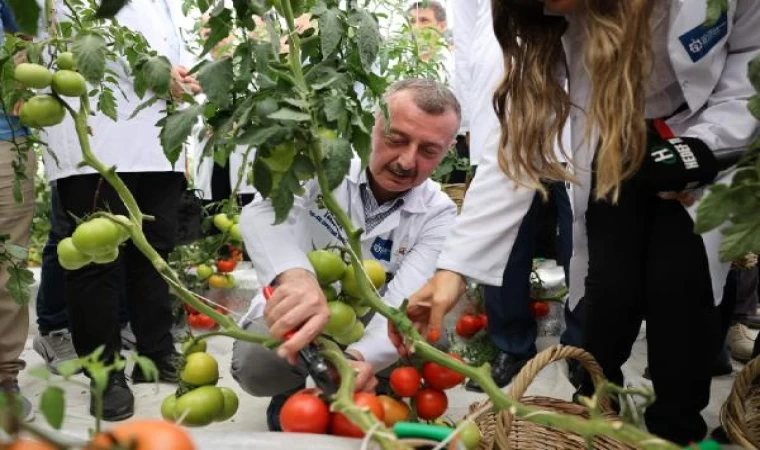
{"x": 430, "y": 403}
{"x": 305, "y": 412}
{"x": 405, "y": 381}
{"x": 468, "y": 325}
{"x": 201, "y": 322}
{"x": 341, "y": 426}
{"x": 539, "y": 309}
{"x": 439, "y": 377}
{"x": 226, "y": 265}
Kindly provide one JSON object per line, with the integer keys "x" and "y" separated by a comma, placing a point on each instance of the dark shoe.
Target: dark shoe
{"x": 719, "y": 435}
{"x": 10, "y": 388}
{"x": 168, "y": 369}
{"x": 503, "y": 369}
{"x": 118, "y": 401}
{"x": 273, "y": 411}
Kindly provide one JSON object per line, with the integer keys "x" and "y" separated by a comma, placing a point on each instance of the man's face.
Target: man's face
{"x": 415, "y": 145}
{"x": 561, "y": 6}
{"x": 425, "y": 17}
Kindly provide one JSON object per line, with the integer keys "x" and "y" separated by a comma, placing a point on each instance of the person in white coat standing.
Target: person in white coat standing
{"x": 655, "y": 99}
{"x": 133, "y": 147}
{"x": 405, "y": 216}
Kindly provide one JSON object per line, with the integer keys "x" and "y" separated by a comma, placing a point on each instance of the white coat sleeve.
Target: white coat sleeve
{"x": 494, "y": 207}
{"x": 725, "y": 122}
{"x": 274, "y": 249}
{"x": 466, "y": 13}
{"x": 416, "y": 268}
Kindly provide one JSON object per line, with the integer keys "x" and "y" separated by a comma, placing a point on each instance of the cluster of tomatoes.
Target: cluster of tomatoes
{"x": 44, "y": 110}
{"x": 344, "y": 325}
{"x": 468, "y": 325}
{"x": 218, "y": 276}
{"x": 94, "y": 241}
{"x": 200, "y": 402}
{"x": 199, "y": 321}
{"x": 430, "y": 399}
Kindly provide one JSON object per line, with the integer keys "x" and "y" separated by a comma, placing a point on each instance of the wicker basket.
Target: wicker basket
{"x": 740, "y": 414}
{"x": 456, "y": 192}
{"x": 501, "y": 431}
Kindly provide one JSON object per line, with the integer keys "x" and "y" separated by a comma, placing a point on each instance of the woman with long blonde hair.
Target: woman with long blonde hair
{"x": 654, "y": 98}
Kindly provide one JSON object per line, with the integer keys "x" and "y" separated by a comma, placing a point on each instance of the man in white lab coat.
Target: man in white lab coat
{"x": 405, "y": 217}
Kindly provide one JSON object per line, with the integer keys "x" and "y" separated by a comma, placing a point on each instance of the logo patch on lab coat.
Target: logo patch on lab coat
{"x": 381, "y": 249}
{"x": 699, "y": 41}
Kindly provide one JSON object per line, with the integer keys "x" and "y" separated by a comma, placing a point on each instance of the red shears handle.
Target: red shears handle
{"x": 268, "y": 292}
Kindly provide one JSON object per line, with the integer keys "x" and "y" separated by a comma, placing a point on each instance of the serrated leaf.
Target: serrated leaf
{"x": 219, "y": 24}
{"x": 262, "y": 177}
{"x": 335, "y": 107}
{"x": 336, "y": 160}
{"x": 17, "y": 252}
{"x": 148, "y": 368}
{"x": 368, "y": 38}
{"x": 53, "y": 405}
{"x": 157, "y": 72}
{"x": 282, "y": 201}
{"x": 109, "y": 8}
{"x": 754, "y": 106}
{"x": 90, "y": 53}
{"x": 146, "y": 104}
{"x": 289, "y": 114}
{"x": 257, "y": 136}
{"x": 330, "y": 31}
{"x": 107, "y": 104}
{"x": 176, "y": 128}
{"x": 362, "y": 143}
{"x": 297, "y": 102}
{"x": 19, "y": 284}
{"x": 714, "y": 209}
{"x": 754, "y": 73}
{"x": 216, "y": 79}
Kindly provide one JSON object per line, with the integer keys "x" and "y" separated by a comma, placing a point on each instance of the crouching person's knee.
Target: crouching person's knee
{"x": 261, "y": 373}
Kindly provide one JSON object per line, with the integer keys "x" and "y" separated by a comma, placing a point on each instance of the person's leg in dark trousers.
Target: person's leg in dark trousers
{"x": 511, "y": 326}
{"x": 678, "y": 285}
{"x": 51, "y": 304}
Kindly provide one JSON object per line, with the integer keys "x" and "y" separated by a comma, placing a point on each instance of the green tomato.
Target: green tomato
{"x": 236, "y": 218}
{"x": 124, "y": 232}
{"x": 33, "y": 76}
{"x": 42, "y": 111}
{"x": 65, "y": 61}
{"x": 342, "y": 319}
{"x": 328, "y": 266}
{"x": 354, "y": 335}
{"x": 376, "y": 273}
{"x": 204, "y": 271}
{"x": 231, "y": 403}
{"x": 327, "y": 134}
{"x": 69, "y": 83}
{"x": 169, "y": 408}
{"x": 200, "y": 406}
{"x": 98, "y": 236}
{"x": 70, "y": 257}
{"x": 190, "y": 346}
{"x": 106, "y": 258}
{"x": 200, "y": 369}
{"x": 235, "y": 233}
{"x": 222, "y": 222}
{"x": 331, "y": 294}
{"x": 470, "y": 435}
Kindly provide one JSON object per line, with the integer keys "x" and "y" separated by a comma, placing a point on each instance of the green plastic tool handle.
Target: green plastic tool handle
{"x": 421, "y": 430}
{"x": 705, "y": 445}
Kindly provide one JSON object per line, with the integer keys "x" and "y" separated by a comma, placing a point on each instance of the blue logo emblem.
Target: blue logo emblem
{"x": 381, "y": 249}
{"x": 699, "y": 41}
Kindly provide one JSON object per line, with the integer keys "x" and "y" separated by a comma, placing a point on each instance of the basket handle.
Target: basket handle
{"x": 734, "y": 406}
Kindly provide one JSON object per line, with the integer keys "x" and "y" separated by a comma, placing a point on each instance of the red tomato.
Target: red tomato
{"x": 468, "y": 325}
{"x": 201, "y": 322}
{"x": 405, "y": 381}
{"x": 433, "y": 335}
{"x": 430, "y": 403}
{"x": 539, "y": 309}
{"x": 483, "y": 320}
{"x": 190, "y": 310}
{"x": 305, "y": 412}
{"x": 221, "y": 310}
{"x": 226, "y": 265}
{"x": 439, "y": 377}
{"x": 341, "y": 426}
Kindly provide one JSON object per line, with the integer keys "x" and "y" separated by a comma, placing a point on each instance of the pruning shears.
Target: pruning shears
{"x": 325, "y": 376}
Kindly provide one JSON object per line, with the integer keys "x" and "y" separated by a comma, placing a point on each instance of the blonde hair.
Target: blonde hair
{"x": 533, "y": 105}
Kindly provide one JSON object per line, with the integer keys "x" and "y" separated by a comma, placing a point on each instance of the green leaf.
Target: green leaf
{"x": 19, "y": 282}
{"x": 109, "y": 8}
{"x": 257, "y": 136}
{"x": 41, "y": 372}
{"x": 244, "y": 9}
{"x": 282, "y": 200}
{"x": 330, "y": 31}
{"x": 90, "y": 53}
{"x": 754, "y": 73}
{"x": 107, "y": 104}
{"x": 146, "y": 104}
{"x": 158, "y": 74}
{"x": 290, "y": 114}
{"x": 754, "y": 106}
{"x": 148, "y": 368}
{"x": 368, "y": 38}
{"x": 17, "y": 252}
{"x": 69, "y": 368}
{"x": 27, "y": 15}
{"x": 176, "y": 128}
{"x": 219, "y": 24}
{"x": 362, "y": 145}
{"x": 262, "y": 177}
{"x": 216, "y": 79}
{"x": 740, "y": 239}
{"x": 53, "y": 405}
{"x": 335, "y": 106}
{"x": 303, "y": 167}
{"x": 714, "y": 209}
{"x": 336, "y": 161}
{"x": 714, "y": 9}
{"x": 99, "y": 376}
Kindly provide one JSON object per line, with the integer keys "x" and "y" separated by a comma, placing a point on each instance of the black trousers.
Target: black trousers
{"x": 645, "y": 262}
{"x": 92, "y": 292}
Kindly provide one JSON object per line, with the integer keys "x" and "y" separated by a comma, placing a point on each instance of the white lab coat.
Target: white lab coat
{"x": 479, "y": 68}
{"x": 716, "y": 89}
{"x": 130, "y": 145}
{"x": 406, "y": 243}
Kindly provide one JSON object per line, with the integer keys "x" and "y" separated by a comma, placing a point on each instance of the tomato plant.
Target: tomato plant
{"x": 305, "y": 413}
{"x": 405, "y": 381}
{"x": 430, "y": 403}
{"x": 341, "y": 426}
{"x": 440, "y": 377}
